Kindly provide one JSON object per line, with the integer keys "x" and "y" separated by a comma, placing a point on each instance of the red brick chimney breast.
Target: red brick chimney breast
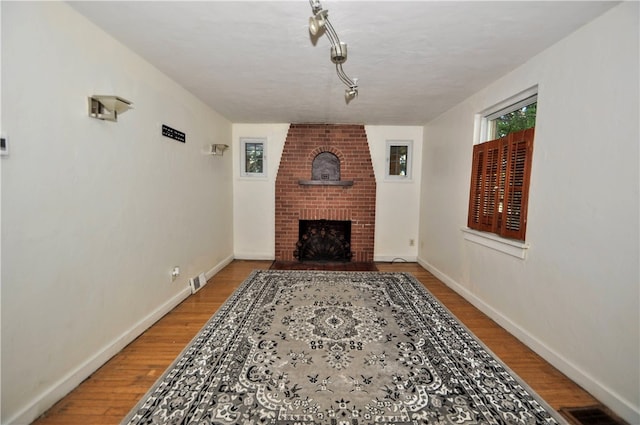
{"x": 296, "y": 201}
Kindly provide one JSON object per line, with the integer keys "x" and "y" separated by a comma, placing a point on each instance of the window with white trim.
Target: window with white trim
{"x": 253, "y": 155}
{"x": 501, "y": 169}
{"x": 398, "y": 160}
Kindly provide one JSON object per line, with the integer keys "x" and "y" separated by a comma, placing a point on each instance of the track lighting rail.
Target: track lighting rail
{"x": 319, "y": 23}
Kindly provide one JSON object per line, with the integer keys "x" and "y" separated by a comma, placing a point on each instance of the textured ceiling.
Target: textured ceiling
{"x": 256, "y": 62}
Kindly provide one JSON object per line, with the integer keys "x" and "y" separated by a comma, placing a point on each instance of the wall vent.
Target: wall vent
{"x": 197, "y": 282}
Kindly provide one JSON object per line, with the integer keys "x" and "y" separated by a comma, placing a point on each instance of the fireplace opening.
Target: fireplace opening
{"x": 324, "y": 240}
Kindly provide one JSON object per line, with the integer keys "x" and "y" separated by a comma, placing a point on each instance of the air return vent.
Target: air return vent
{"x": 197, "y": 282}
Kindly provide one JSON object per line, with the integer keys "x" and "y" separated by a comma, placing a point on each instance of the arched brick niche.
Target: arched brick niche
{"x": 352, "y": 199}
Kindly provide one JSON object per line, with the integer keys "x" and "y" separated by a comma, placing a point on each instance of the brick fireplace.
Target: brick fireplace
{"x": 303, "y": 193}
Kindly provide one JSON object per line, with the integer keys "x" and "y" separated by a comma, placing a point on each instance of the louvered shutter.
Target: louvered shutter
{"x": 499, "y": 185}
{"x": 516, "y": 185}
{"x": 484, "y": 186}
{"x": 475, "y": 195}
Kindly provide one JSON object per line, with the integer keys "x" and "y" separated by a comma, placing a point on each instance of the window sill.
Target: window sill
{"x": 392, "y": 179}
{"x": 245, "y": 176}
{"x": 510, "y": 247}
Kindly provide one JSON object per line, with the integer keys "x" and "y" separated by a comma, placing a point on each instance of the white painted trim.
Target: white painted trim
{"x": 74, "y": 378}
{"x": 58, "y": 390}
{"x": 221, "y": 265}
{"x": 394, "y": 178}
{"x": 514, "y": 248}
{"x": 243, "y": 154}
{"x": 257, "y": 257}
{"x": 481, "y": 133}
{"x": 624, "y": 408}
{"x": 398, "y": 258}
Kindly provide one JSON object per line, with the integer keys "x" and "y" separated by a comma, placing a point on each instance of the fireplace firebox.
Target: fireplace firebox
{"x": 324, "y": 240}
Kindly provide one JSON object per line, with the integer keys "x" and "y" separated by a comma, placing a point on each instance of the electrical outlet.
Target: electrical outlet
{"x": 175, "y": 273}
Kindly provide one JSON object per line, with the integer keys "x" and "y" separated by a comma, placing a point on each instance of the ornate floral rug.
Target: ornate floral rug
{"x": 337, "y": 348}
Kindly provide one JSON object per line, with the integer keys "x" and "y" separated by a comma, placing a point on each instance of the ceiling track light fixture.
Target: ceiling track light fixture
{"x": 318, "y": 23}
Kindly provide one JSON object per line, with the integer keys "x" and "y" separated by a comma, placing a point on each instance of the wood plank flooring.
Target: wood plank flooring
{"x": 110, "y": 393}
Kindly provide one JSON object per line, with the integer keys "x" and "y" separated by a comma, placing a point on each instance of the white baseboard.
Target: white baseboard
{"x": 394, "y": 259}
{"x": 74, "y": 378}
{"x": 221, "y": 265}
{"x": 608, "y": 397}
{"x": 259, "y": 257}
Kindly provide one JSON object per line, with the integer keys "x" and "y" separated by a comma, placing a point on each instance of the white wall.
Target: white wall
{"x": 254, "y": 202}
{"x": 1, "y": 127}
{"x": 397, "y": 201}
{"x": 575, "y": 298}
{"x": 95, "y": 214}
{"x": 396, "y": 206}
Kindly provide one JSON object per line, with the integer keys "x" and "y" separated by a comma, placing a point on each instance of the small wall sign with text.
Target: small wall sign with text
{"x": 4, "y": 148}
{"x": 174, "y": 134}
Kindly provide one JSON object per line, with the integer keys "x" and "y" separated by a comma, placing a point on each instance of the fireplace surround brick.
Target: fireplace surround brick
{"x": 295, "y": 201}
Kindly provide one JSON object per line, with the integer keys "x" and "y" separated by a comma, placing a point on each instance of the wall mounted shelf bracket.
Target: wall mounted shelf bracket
{"x": 107, "y": 107}
{"x": 216, "y": 149}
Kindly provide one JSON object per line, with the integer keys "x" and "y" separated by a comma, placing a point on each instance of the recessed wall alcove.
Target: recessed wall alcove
{"x": 341, "y": 187}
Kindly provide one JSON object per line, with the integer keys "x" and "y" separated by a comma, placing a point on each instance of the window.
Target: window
{"x": 500, "y": 172}
{"x": 398, "y": 159}
{"x": 252, "y": 157}
{"x": 516, "y": 117}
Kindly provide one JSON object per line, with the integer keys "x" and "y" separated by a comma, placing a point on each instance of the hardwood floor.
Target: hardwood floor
{"x": 108, "y": 395}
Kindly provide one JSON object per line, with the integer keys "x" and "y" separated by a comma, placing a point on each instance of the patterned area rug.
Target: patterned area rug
{"x": 339, "y": 348}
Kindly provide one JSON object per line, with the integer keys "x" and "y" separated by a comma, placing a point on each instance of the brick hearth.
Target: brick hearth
{"x": 295, "y": 201}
